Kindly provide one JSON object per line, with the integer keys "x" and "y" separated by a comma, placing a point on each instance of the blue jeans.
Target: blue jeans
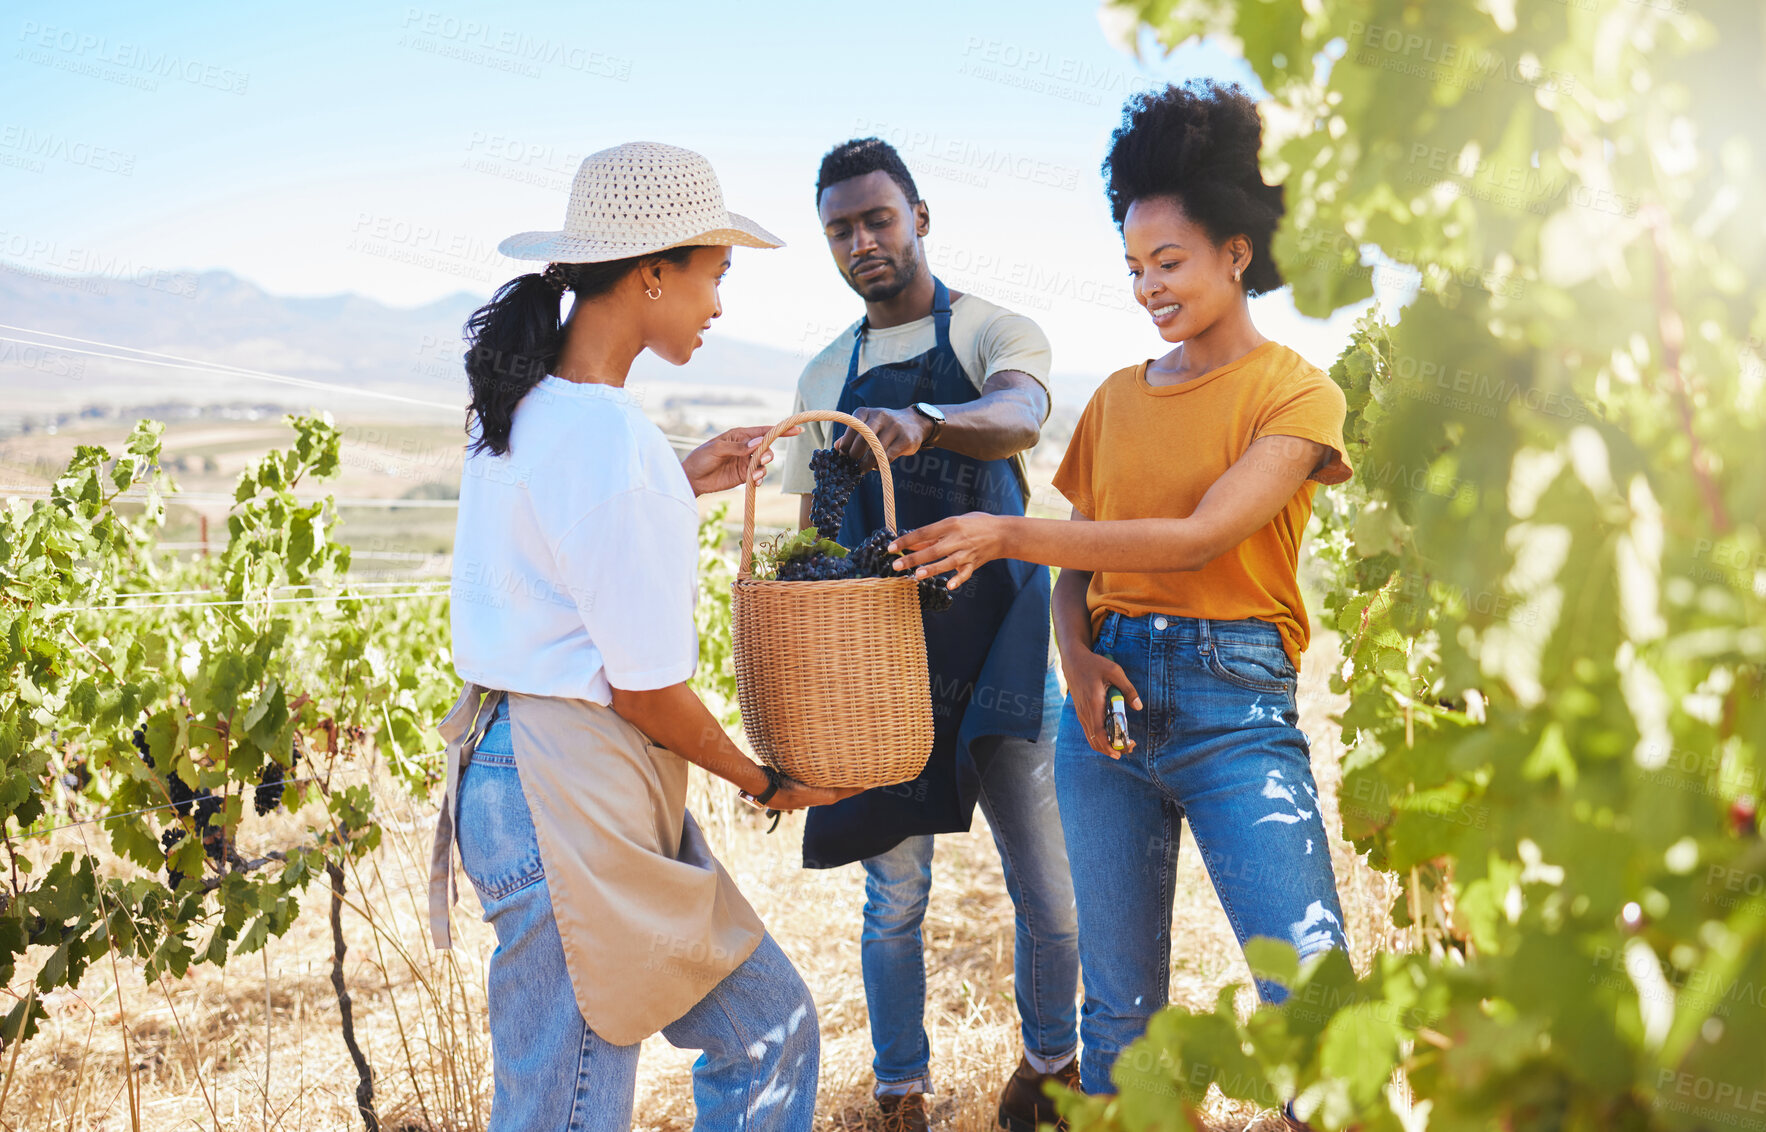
{"x": 1217, "y": 744}
{"x": 757, "y": 1027}
{"x": 1018, "y": 799}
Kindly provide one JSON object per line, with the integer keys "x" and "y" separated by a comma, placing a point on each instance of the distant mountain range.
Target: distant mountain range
{"x": 215, "y": 316}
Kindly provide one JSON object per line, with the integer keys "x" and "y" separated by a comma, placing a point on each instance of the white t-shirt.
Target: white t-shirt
{"x": 577, "y": 555}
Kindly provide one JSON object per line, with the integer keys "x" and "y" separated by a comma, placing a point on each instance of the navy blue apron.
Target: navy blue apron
{"x": 987, "y": 654}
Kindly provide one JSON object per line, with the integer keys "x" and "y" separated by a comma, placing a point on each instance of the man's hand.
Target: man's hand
{"x": 1088, "y": 675}
{"x": 963, "y": 543}
{"x": 902, "y": 432}
{"x": 722, "y": 462}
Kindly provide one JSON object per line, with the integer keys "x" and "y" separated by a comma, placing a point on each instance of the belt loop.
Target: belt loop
{"x": 481, "y": 723}
{"x": 1204, "y": 638}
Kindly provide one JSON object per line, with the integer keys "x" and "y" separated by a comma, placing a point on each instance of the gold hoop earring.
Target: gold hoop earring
{"x": 653, "y": 292}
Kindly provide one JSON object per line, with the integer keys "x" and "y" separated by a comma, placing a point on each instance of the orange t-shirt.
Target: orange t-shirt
{"x": 1145, "y": 451}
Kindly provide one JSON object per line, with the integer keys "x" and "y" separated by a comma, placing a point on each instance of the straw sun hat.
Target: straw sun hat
{"x": 639, "y": 198}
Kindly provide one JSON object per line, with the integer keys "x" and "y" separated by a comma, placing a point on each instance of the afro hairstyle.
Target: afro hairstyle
{"x": 1197, "y": 144}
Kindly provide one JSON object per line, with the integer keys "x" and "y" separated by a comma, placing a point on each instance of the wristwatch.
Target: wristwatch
{"x": 774, "y": 780}
{"x": 934, "y": 414}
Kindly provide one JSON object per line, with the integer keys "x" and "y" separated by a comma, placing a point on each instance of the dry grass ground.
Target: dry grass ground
{"x": 256, "y": 1046}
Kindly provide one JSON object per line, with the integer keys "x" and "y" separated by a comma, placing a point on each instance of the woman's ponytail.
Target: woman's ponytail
{"x": 511, "y": 342}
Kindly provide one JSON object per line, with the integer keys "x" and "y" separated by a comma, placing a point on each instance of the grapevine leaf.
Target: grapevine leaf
{"x": 1358, "y": 1052}
{"x": 266, "y": 714}
{"x": 132, "y": 839}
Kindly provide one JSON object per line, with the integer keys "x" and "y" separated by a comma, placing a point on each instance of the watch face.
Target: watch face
{"x": 932, "y": 411}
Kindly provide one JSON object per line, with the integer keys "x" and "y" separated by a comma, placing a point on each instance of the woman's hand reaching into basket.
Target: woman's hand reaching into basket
{"x": 962, "y": 543}
{"x": 722, "y": 462}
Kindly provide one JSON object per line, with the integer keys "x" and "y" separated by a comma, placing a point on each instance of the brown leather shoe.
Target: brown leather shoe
{"x": 902, "y": 1114}
{"x": 1024, "y": 1106}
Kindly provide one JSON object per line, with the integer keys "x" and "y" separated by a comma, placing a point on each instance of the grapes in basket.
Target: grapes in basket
{"x": 808, "y": 557}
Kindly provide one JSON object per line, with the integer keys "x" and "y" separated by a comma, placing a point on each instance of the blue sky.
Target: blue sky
{"x": 385, "y": 148}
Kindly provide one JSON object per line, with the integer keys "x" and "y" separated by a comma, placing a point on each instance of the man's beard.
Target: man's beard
{"x": 906, "y": 271}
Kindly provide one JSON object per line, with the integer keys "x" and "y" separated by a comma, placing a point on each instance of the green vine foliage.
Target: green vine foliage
{"x": 715, "y": 678}
{"x": 1548, "y": 573}
{"x": 145, "y": 680}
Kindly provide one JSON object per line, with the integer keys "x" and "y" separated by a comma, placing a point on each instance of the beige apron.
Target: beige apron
{"x": 649, "y": 920}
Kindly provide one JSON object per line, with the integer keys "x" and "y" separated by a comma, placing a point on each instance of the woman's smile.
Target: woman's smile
{"x": 1165, "y": 314}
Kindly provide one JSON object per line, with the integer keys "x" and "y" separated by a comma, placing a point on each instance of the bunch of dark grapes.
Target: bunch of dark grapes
{"x": 872, "y": 559}
{"x": 817, "y": 568}
{"x": 272, "y": 782}
{"x": 203, "y": 807}
{"x": 837, "y": 475}
{"x": 172, "y": 835}
{"x": 934, "y": 597}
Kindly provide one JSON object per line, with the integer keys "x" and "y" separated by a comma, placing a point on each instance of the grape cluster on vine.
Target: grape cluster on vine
{"x": 272, "y": 782}
{"x": 203, "y": 806}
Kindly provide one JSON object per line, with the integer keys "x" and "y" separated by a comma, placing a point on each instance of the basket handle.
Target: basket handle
{"x": 744, "y": 568}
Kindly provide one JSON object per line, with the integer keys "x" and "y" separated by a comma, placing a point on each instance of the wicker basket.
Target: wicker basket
{"x": 832, "y": 675}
